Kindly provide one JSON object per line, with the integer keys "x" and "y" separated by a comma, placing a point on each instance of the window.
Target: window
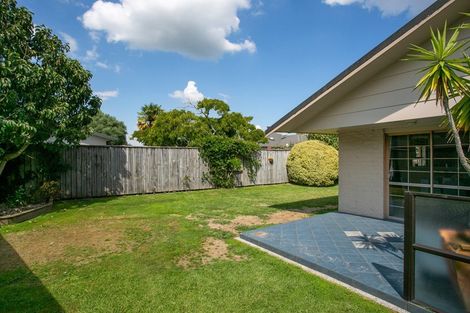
{"x": 425, "y": 163}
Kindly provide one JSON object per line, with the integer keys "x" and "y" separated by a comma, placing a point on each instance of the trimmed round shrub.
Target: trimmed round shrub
{"x": 313, "y": 163}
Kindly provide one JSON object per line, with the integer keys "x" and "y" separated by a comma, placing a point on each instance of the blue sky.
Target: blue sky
{"x": 262, "y": 57}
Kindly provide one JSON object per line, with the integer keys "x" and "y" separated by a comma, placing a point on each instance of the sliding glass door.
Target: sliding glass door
{"x": 425, "y": 163}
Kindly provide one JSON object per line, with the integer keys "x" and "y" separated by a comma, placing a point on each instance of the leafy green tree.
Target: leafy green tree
{"x": 331, "y": 140}
{"x": 445, "y": 77}
{"x": 109, "y": 125}
{"x": 212, "y": 117}
{"x": 44, "y": 94}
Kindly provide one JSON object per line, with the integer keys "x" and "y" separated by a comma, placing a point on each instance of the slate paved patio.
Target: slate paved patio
{"x": 363, "y": 252}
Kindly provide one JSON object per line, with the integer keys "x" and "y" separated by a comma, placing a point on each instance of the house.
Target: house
{"x": 97, "y": 139}
{"x": 389, "y": 142}
{"x": 283, "y": 140}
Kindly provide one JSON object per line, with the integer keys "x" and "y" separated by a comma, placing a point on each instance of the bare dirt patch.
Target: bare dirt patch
{"x": 213, "y": 250}
{"x": 239, "y": 221}
{"x": 232, "y": 225}
{"x": 77, "y": 244}
{"x": 285, "y": 217}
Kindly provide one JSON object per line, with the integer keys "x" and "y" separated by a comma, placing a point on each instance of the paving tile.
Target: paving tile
{"x": 360, "y": 249}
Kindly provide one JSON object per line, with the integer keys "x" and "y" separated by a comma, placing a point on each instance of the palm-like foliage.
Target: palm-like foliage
{"x": 445, "y": 77}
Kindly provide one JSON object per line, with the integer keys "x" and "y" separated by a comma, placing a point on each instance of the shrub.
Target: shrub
{"x": 227, "y": 157}
{"x": 329, "y": 139}
{"x": 49, "y": 190}
{"x": 19, "y": 198}
{"x": 313, "y": 163}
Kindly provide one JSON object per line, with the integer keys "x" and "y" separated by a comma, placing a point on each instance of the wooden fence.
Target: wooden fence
{"x": 98, "y": 171}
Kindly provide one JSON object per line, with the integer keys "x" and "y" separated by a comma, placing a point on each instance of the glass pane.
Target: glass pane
{"x": 420, "y": 165}
{"x": 441, "y": 283}
{"x": 466, "y": 150}
{"x": 465, "y": 138}
{"x": 441, "y": 139}
{"x": 420, "y": 189}
{"x": 398, "y": 177}
{"x": 445, "y": 152}
{"x": 446, "y": 191}
{"x": 420, "y": 178}
{"x": 446, "y": 179}
{"x": 419, "y": 140}
{"x": 399, "y": 153}
{"x": 397, "y": 201}
{"x": 396, "y": 211}
{"x": 397, "y": 141}
{"x": 446, "y": 165}
{"x": 464, "y": 193}
{"x": 398, "y": 190}
{"x": 442, "y": 223}
{"x": 399, "y": 165}
{"x": 464, "y": 180}
{"x": 419, "y": 152}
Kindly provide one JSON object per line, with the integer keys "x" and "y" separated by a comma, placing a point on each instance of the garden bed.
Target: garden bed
{"x": 18, "y": 215}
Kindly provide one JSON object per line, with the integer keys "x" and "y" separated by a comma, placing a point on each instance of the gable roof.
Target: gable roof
{"x": 391, "y": 49}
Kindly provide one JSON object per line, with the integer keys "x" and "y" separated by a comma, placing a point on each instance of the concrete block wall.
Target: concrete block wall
{"x": 361, "y": 172}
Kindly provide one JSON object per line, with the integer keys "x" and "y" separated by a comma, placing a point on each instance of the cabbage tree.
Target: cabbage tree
{"x": 445, "y": 77}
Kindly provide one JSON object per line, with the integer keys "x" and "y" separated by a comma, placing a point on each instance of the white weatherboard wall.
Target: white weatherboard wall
{"x": 361, "y": 172}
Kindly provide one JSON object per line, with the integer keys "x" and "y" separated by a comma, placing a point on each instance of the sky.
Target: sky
{"x": 263, "y": 57}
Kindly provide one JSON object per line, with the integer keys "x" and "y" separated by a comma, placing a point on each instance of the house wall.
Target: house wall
{"x": 93, "y": 141}
{"x": 387, "y": 97}
{"x": 362, "y": 172}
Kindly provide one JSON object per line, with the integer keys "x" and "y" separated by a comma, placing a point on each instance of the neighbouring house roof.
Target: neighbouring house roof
{"x": 383, "y": 55}
{"x": 97, "y": 139}
{"x": 284, "y": 140}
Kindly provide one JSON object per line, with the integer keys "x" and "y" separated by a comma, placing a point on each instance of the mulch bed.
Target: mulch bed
{"x": 16, "y": 215}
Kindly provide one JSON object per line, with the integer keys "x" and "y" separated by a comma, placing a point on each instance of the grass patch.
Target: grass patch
{"x": 124, "y": 254}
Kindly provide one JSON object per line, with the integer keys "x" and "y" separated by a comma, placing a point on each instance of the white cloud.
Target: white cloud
{"x": 115, "y": 68}
{"x": 92, "y": 54}
{"x": 224, "y": 96}
{"x": 190, "y": 94}
{"x": 259, "y": 127}
{"x": 198, "y": 29}
{"x": 387, "y": 7}
{"x": 95, "y": 36}
{"x": 102, "y": 65}
{"x": 74, "y": 2}
{"x": 107, "y": 94}
{"x": 72, "y": 42}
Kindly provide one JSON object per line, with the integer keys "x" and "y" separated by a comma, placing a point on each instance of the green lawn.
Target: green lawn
{"x": 164, "y": 253}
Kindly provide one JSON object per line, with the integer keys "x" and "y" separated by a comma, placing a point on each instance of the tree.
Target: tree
{"x": 109, "y": 125}
{"x": 445, "y": 77}
{"x": 44, "y": 94}
{"x": 331, "y": 140}
{"x": 157, "y": 127}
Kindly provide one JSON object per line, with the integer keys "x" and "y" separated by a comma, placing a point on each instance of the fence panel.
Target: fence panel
{"x": 98, "y": 171}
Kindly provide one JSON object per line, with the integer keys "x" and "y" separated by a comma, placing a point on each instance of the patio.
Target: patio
{"x": 365, "y": 253}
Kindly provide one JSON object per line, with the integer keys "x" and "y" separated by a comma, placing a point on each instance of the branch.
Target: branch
{"x": 11, "y": 156}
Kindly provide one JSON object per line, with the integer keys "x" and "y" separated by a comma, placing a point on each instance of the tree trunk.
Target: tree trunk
{"x": 11, "y": 156}
{"x": 458, "y": 143}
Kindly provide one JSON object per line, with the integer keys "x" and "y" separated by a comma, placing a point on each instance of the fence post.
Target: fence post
{"x": 408, "y": 275}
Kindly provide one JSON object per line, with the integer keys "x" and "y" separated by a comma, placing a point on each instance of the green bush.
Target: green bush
{"x": 313, "y": 163}
{"x": 226, "y": 158}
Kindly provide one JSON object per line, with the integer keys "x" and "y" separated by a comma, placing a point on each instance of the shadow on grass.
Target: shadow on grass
{"x": 317, "y": 205}
{"x": 20, "y": 289}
